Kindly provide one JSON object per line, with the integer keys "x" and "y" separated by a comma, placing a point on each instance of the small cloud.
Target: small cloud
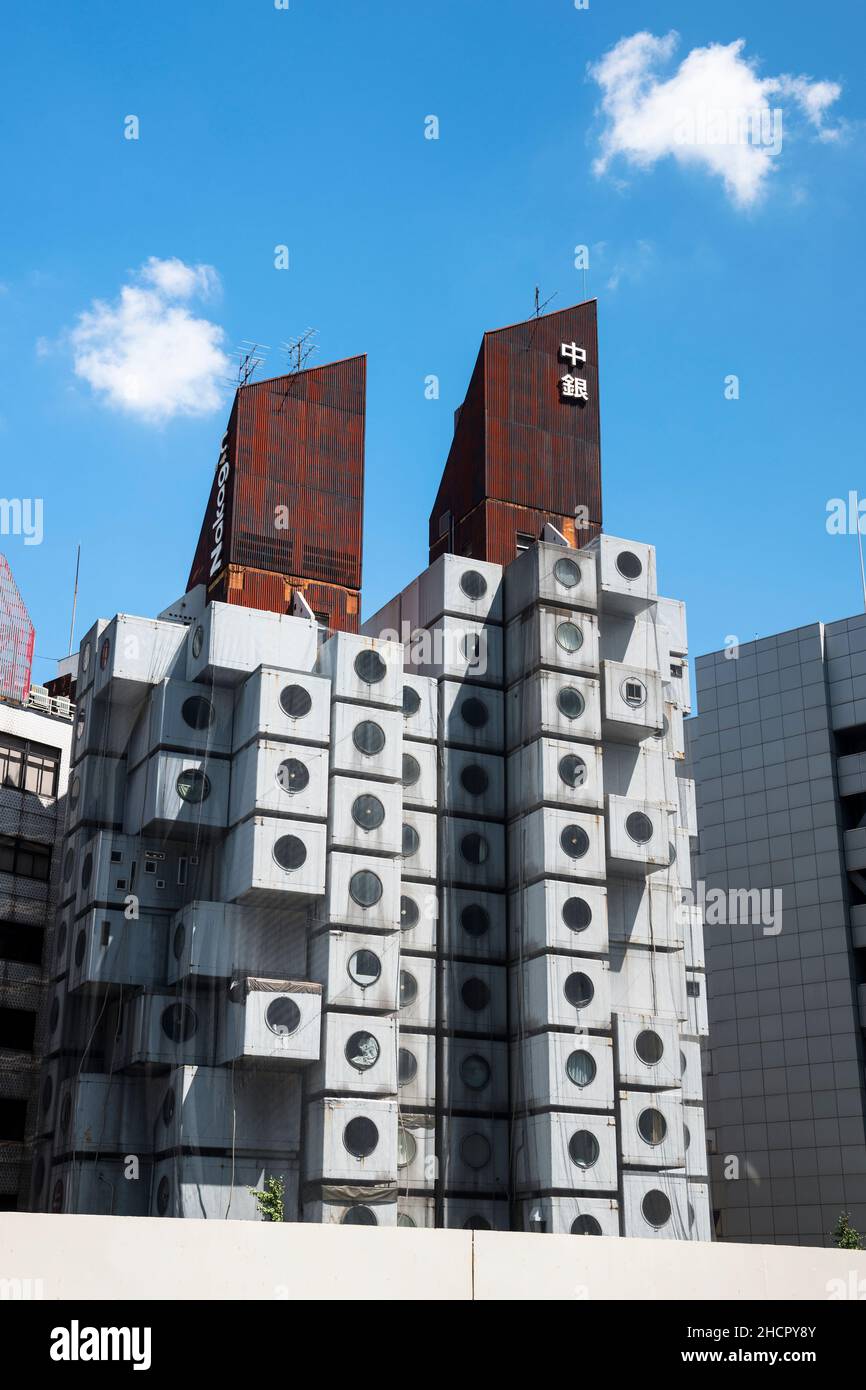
{"x": 147, "y": 353}
{"x": 714, "y": 113}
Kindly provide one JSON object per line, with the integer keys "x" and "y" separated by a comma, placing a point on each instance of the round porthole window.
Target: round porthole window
{"x": 639, "y": 827}
{"x": 80, "y": 947}
{"x": 656, "y": 1208}
{"x": 360, "y": 1137}
{"x": 369, "y": 667}
{"x": 475, "y": 994}
{"x": 411, "y": 841}
{"x": 629, "y": 565}
{"x": 359, "y": 1215}
{"x": 406, "y": 1148}
{"x": 368, "y": 738}
{"x": 472, "y": 648}
{"x": 475, "y": 1151}
{"x": 583, "y": 1149}
{"x": 474, "y": 848}
{"x": 652, "y": 1127}
{"x": 292, "y": 776}
{"x": 691, "y": 1216}
{"x": 475, "y": 1072}
{"x": 104, "y": 654}
{"x": 408, "y": 989}
{"x": 86, "y": 870}
{"x": 290, "y": 852}
{"x": 193, "y": 786}
{"x": 474, "y": 779}
{"x": 407, "y": 1066}
{"x": 47, "y": 1093}
{"x": 411, "y": 701}
{"x": 474, "y": 712}
{"x": 68, "y": 865}
{"x": 687, "y": 1138}
{"x": 62, "y": 935}
{"x": 574, "y": 841}
{"x": 578, "y": 990}
{"x": 570, "y": 702}
{"x": 295, "y": 701}
{"x": 38, "y": 1177}
{"x": 404, "y": 1220}
{"x": 585, "y": 1226}
{"x": 365, "y": 888}
{"x": 572, "y": 770}
{"x": 163, "y": 1193}
{"x": 85, "y": 658}
{"x": 168, "y": 1103}
{"x": 80, "y": 722}
{"x": 409, "y": 913}
{"x": 569, "y": 637}
{"x": 283, "y": 1016}
{"x": 566, "y": 573}
{"x": 197, "y": 642}
{"x": 477, "y": 1223}
{"x": 411, "y": 770}
{"x": 368, "y": 812}
{"x": 649, "y": 1047}
{"x": 362, "y": 1051}
{"x": 197, "y": 712}
{"x": 179, "y": 940}
{"x": 580, "y": 1068}
{"x": 475, "y": 919}
{"x": 683, "y": 1064}
{"x": 74, "y": 791}
{"x": 576, "y": 914}
{"x": 364, "y": 968}
{"x": 633, "y": 692}
{"x": 473, "y": 584}
{"x": 54, "y": 1015}
{"x": 179, "y": 1022}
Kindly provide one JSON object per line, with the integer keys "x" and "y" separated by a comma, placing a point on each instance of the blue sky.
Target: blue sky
{"x": 261, "y": 127}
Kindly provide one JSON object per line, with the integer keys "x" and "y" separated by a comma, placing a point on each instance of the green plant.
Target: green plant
{"x": 845, "y": 1236}
{"x": 271, "y": 1200}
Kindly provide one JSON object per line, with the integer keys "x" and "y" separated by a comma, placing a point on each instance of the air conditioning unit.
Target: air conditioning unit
{"x": 647, "y": 982}
{"x": 560, "y": 992}
{"x": 556, "y": 638}
{"x": 563, "y": 1071}
{"x": 161, "y": 1030}
{"x": 365, "y": 817}
{"x": 458, "y": 649}
{"x": 555, "y": 915}
{"x": 363, "y": 669}
{"x": 548, "y": 573}
{"x": 472, "y": 717}
{"x": 641, "y": 772}
{"x": 217, "y": 1189}
{"x": 475, "y": 1075}
{"x": 418, "y": 1212}
{"x": 632, "y": 704}
{"x": 97, "y": 787}
{"x": 279, "y": 779}
{"x": 361, "y": 1208}
{"x": 417, "y": 992}
{"x": 113, "y": 870}
{"x": 551, "y": 704}
{"x": 102, "y": 728}
{"x": 419, "y": 916}
{"x": 626, "y": 574}
{"x": 95, "y": 1189}
{"x": 642, "y": 912}
{"x": 357, "y": 971}
{"x": 420, "y": 775}
{"x": 420, "y": 706}
{"x": 690, "y": 1070}
{"x": 271, "y": 1022}
{"x": 473, "y": 783}
{"x": 134, "y": 654}
{"x": 359, "y": 1056}
{"x": 178, "y": 793}
{"x": 472, "y": 853}
{"x": 418, "y": 845}
{"x": 246, "y": 1109}
{"x": 229, "y": 642}
{"x": 558, "y": 1151}
{"x": 472, "y": 924}
{"x": 182, "y": 716}
{"x": 641, "y": 642}
{"x": 638, "y": 836}
{"x": 655, "y": 1206}
{"x": 651, "y": 1129}
{"x": 416, "y": 1068}
{"x": 362, "y": 892}
{"x": 549, "y": 842}
{"x": 473, "y": 997}
{"x": 349, "y": 1141}
{"x": 108, "y": 950}
{"x": 696, "y": 1004}
{"x": 99, "y": 1115}
{"x": 211, "y": 941}
{"x": 648, "y": 1051}
{"x": 555, "y": 772}
{"x": 474, "y": 1154}
{"x": 367, "y": 742}
{"x": 88, "y": 652}
{"x": 576, "y": 1216}
{"x": 266, "y": 855}
{"x": 698, "y": 1211}
{"x": 468, "y": 1214}
{"x": 695, "y": 1140}
{"x": 294, "y": 706}
{"x": 417, "y": 1164}
{"x": 459, "y": 587}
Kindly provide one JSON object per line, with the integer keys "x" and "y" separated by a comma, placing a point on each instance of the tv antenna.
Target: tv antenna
{"x": 250, "y": 357}
{"x": 539, "y": 307}
{"x": 299, "y": 350}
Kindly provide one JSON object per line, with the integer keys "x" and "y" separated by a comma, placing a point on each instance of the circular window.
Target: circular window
{"x": 85, "y": 658}
{"x": 368, "y": 812}
{"x": 57, "y": 1196}
{"x": 477, "y": 1223}
{"x": 683, "y": 1064}
{"x": 572, "y": 770}
{"x": 475, "y": 1072}
{"x": 75, "y": 791}
{"x": 691, "y": 1216}
{"x": 283, "y": 1016}
{"x": 474, "y": 712}
{"x": 360, "y": 1136}
{"x": 362, "y": 1051}
{"x": 359, "y": 1215}
{"x": 473, "y": 584}
{"x": 570, "y": 702}
{"x": 168, "y": 1103}
{"x": 365, "y": 888}
{"x": 80, "y": 722}
{"x": 569, "y": 637}
{"x": 649, "y": 1047}
{"x": 369, "y": 667}
{"x": 409, "y": 914}
{"x": 179, "y": 940}
{"x": 583, "y": 1149}
{"x": 411, "y": 701}
{"x": 633, "y": 692}
{"x": 629, "y": 565}
{"x": 687, "y": 1138}
{"x": 652, "y": 1127}
{"x": 408, "y": 989}
{"x": 47, "y": 1092}
{"x": 639, "y": 827}
{"x": 407, "y": 1066}
{"x": 197, "y": 642}
{"x": 104, "y": 654}
{"x": 474, "y": 848}
{"x": 179, "y": 1022}
{"x": 411, "y": 770}
{"x": 576, "y": 914}
{"x": 60, "y": 950}
{"x": 406, "y": 1148}
{"x": 581, "y": 1069}
{"x": 585, "y": 1226}
{"x": 193, "y": 786}
{"x": 163, "y": 1192}
{"x": 368, "y": 738}
{"x": 474, "y": 780}
{"x": 566, "y": 573}
{"x": 86, "y": 870}
{"x": 475, "y": 919}
{"x": 80, "y": 947}
{"x": 290, "y": 852}
{"x": 574, "y": 841}
{"x": 404, "y": 1220}
{"x": 364, "y": 968}
{"x": 475, "y": 1150}
{"x": 292, "y": 775}
{"x": 197, "y": 712}
{"x": 54, "y": 1016}
{"x": 578, "y": 990}
{"x": 411, "y": 841}
{"x": 68, "y": 864}
{"x": 656, "y": 1208}
{"x": 475, "y": 994}
{"x": 295, "y": 701}
{"x": 471, "y": 646}
{"x": 38, "y": 1176}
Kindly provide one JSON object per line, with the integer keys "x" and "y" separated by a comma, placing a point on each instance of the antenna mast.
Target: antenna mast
{"x": 74, "y": 600}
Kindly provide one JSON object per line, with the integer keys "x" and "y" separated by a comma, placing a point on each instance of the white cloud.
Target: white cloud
{"x": 714, "y": 113}
{"x": 146, "y": 352}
